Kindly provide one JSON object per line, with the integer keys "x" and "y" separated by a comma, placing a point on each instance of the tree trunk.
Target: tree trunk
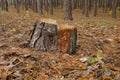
{"x": 74, "y": 4}
{"x": 110, "y": 4}
{"x": 90, "y": 4}
{"x": 22, "y": 3}
{"x": 4, "y": 5}
{"x": 114, "y": 7}
{"x": 51, "y": 7}
{"x": 83, "y": 7}
{"x": 40, "y": 7}
{"x": 34, "y": 5}
{"x": 61, "y": 3}
{"x": 46, "y": 5}
{"x": 86, "y": 8}
{"x": 95, "y": 7}
{"x": 100, "y": 3}
{"x": 29, "y": 3}
{"x": 0, "y": 4}
{"x": 81, "y": 4}
{"x": 68, "y": 10}
{"x": 78, "y": 3}
{"x": 105, "y": 6}
{"x": 49, "y": 37}
{"x": 17, "y": 6}
{"x": 26, "y": 4}
{"x": 57, "y": 3}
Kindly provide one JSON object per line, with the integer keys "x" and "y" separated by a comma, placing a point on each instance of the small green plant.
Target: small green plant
{"x": 117, "y": 11}
{"x": 91, "y": 59}
{"x": 110, "y": 12}
{"x": 99, "y": 55}
{"x": 97, "y": 58}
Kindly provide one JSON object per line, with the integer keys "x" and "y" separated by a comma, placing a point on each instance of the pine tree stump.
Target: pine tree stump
{"x": 47, "y": 36}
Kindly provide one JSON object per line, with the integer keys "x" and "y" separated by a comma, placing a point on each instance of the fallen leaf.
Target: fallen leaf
{"x": 83, "y": 59}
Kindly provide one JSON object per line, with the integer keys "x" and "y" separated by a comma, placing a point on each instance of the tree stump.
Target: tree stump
{"x": 47, "y": 36}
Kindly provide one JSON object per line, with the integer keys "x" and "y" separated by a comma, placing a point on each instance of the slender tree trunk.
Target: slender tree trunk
{"x": 83, "y": 6}
{"x": 29, "y": 3}
{"x": 86, "y": 8}
{"x": 100, "y": 3}
{"x": 54, "y": 3}
{"x": 110, "y": 4}
{"x": 77, "y": 3}
{"x": 51, "y": 7}
{"x": 34, "y": 5}
{"x": 32, "y": 2}
{"x": 74, "y": 3}
{"x": 4, "y": 4}
{"x": 46, "y": 5}
{"x": 26, "y": 4}
{"x": 114, "y": 8}
{"x": 119, "y": 4}
{"x": 57, "y": 3}
{"x": 40, "y": 7}
{"x": 17, "y": 6}
{"x": 68, "y": 10}
{"x": 61, "y": 3}
{"x": 95, "y": 7}
{"x": 22, "y": 3}
{"x": 0, "y": 5}
{"x": 90, "y": 4}
{"x": 105, "y": 6}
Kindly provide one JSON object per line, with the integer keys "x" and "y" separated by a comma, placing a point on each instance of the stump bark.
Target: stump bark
{"x": 50, "y": 37}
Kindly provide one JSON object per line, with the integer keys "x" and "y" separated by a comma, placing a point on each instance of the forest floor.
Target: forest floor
{"x": 97, "y": 56}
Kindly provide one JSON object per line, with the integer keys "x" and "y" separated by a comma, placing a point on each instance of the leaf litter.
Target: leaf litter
{"x": 18, "y": 62}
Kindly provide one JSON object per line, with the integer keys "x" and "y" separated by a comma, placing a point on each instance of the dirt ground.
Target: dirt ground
{"x": 97, "y": 56}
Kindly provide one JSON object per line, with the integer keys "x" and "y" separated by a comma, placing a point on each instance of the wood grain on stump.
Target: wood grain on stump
{"x": 50, "y": 36}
